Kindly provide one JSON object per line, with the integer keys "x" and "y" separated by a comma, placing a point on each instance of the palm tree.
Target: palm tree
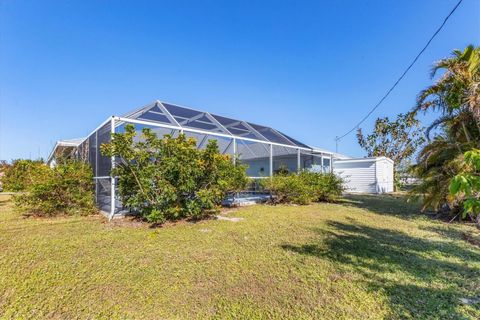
{"x": 437, "y": 163}
{"x": 456, "y": 96}
{"x": 457, "y": 93}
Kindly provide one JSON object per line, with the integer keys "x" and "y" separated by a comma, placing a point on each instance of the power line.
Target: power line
{"x": 403, "y": 74}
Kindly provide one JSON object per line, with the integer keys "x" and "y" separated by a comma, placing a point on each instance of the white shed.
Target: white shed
{"x": 366, "y": 175}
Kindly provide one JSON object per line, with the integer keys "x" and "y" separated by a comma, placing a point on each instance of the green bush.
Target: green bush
{"x": 64, "y": 189}
{"x": 169, "y": 178}
{"x": 289, "y": 189}
{"x": 305, "y": 187}
{"x": 324, "y": 187}
{"x": 20, "y": 175}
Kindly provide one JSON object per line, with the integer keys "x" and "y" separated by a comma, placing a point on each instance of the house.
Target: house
{"x": 263, "y": 149}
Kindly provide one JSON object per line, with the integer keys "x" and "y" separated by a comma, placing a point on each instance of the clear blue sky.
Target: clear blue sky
{"x": 309, "y": 68}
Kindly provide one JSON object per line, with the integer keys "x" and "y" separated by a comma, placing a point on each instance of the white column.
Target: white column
{"x": 112, "y": 177}
{"x": 321, "y": 163}
{"x": 271, "y": 160}
{"x": 97, "y": 146}
{"x": 234, "y": 150}
{"x": 331, "y": 162}
{"x": 299, "y": 166}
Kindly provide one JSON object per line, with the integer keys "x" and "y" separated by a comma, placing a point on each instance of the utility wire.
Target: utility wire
{"x": 402, "y": 76}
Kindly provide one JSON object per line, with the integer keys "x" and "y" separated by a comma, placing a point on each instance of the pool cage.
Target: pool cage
{"x": 263, "y": 149}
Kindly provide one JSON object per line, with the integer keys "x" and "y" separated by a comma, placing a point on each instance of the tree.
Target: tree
{"x": 457, "y": 130}
{"x": 169, "y": 178}
{"x": 465, "y": 186}
{"x": 397, "y": 140}
{"x": 456, "y": 95}
{"x": 435, "y": 167}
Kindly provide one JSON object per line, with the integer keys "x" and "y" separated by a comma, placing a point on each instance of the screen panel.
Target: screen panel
{"x": 189, "y": 118}
{"x": 92, "y": 152}
{"x": 104, "y": 163}
{"x": 155, "y": 114}
{"x": 238, "y": 128}
{"x": 256, "y": 156}
{"x": 103, "y": 195}
{"x": 311, "y": 161}
{"x": 285, "y": 159}
{"x": 271, "y": 135}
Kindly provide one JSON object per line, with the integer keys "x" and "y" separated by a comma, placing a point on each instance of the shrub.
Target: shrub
{"x": 305, "y": 187}
{"x": 21, "y": 173}
{"x": 289, "y": 189}
{"x": 169, "y": 178}
{"x": 64, "y": 189}
{"x": 324, "y": 187}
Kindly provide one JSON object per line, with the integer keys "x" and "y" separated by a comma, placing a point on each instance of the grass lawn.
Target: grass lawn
{"x": 368, "y": 258}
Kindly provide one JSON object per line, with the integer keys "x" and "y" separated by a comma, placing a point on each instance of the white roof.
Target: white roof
{"x": 366, "y": 159}
{"x": 65, "y": 143}
{"x": 334, "y": 154}
{"x": 70, "y": 142}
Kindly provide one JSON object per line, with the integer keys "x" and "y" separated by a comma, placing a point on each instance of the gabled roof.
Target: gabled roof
{"x": 188, "y": 118}
{"x": 70, "y": 143}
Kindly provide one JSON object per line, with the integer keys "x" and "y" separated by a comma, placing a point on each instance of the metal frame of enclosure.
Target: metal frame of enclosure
{"x": 263, "y": 149}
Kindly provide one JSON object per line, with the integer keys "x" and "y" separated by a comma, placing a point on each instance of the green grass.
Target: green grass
{"x": 367, "y": 258}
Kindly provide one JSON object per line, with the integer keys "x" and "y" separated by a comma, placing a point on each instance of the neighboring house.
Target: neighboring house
{"x": 263, "y": 149}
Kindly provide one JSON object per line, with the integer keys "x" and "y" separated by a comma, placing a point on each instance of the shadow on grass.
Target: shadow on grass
{"x": 415, "y": 274}
{"x": 448, "y": 231}
{"x": 393, "y": 205}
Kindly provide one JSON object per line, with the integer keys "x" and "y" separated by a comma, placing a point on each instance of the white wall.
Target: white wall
{"x": 369, "y": 175}
{"x": 359, "y": 176}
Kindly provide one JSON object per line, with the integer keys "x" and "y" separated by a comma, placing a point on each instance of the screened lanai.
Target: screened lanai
{"x": 262, "y": 149}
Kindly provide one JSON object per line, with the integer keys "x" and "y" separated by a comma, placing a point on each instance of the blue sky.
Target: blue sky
{"x": 311, "y": 69}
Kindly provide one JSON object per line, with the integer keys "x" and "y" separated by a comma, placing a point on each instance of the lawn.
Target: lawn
{"x": 369, "y": 257}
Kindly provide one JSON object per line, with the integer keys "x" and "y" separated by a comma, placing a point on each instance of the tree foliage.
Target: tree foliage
{"x": 20, "y": 174}
{"x": 169, "y": 178}
{"x": 398, "y": 140}
{"x": 455, "y": 95}
{"x": 65, "y": 189}
{"x": 465, "y": 186}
